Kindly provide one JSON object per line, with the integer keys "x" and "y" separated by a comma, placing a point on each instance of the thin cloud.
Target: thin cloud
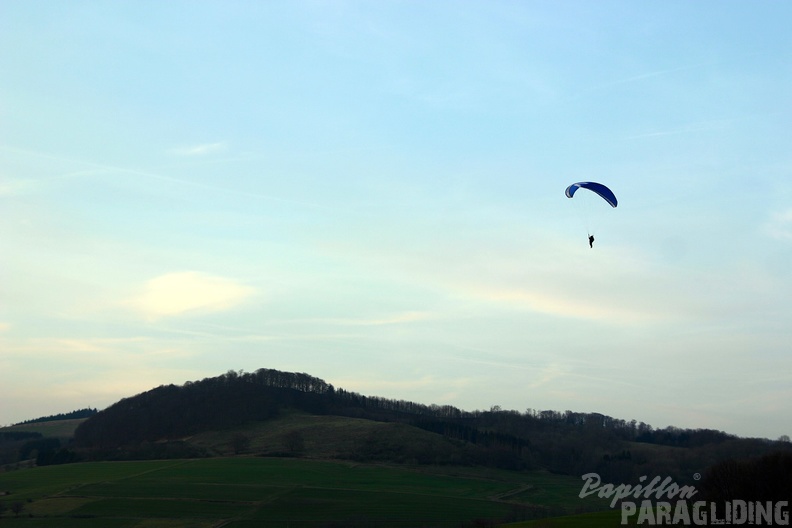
{"x": 652, "y": 74}
{"x": 780, "y": 225}
{"x": 399, "y": 318}
{"x": 77, "y": 349}
{"x": 202, "y": 149}
{"x": 561, "y": 306}
{"x": 406, "y": 317}
{"x": 12, "y": 187}
{"x": 704, "y": 126}
{"x": 190, "y": 292}
{"x": 374, "y": 386}
{"x": 19, "y": 186}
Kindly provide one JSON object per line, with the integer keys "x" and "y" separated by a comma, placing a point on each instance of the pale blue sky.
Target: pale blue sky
{"x": 372, "y": 192}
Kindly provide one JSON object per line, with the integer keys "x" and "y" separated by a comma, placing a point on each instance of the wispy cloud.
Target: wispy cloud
{"x": 76, "y": 370}
{"x": 202, "y": 149}
{"x": 78, "y": 349}
{"x": 703, "y": 126}
{"x": 14, "y": 187}
{"x": 188, "y": 292}
{"x": 639, "y": 77}
{"x": 11, "y": 187}
{"x": 780, "y": 225}
{"x": 380, "y": 386}
{"x": 562, "y": 306}
{"x": 398, "y": 318}
{"x": 517, "y": 278}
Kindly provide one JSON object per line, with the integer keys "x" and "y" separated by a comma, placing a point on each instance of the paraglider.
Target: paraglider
{"x": 597, "y": 188}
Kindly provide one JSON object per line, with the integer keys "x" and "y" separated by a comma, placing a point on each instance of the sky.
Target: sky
{"x": 372, "y": 192}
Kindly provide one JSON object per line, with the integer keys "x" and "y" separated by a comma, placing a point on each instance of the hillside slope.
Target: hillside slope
{"x": 296, "y": 433}
{"x": 63, "y": 429}
{"x": 270, "y": 412}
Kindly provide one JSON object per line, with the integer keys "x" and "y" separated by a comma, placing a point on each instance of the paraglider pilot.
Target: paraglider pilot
{"x": 591, "y": 241}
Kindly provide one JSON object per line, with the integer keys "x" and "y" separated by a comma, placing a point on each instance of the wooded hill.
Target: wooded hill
{"x": 168, "y": 420}
{"x": 73, "y": 415}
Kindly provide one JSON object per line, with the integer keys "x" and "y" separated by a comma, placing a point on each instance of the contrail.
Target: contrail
{"x": 701, "y": 126}
{"x": 656, "y": 73}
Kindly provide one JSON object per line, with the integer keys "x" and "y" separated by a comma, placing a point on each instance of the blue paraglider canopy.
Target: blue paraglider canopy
{"x": 595, "y": 187}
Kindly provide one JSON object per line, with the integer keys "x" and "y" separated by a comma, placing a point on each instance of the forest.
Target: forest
{"x": 156, "y": 422}
{"x": 73, "y": 415}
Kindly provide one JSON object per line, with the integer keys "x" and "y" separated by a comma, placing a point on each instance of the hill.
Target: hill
{"x": 243, "y": 425}
{"x": 73, "y": 415}
{"x": 327, "y": 437}
{"x": 269, "y": 412}
{"x": 63, "y": 429}
{"x": 23, "y": 442}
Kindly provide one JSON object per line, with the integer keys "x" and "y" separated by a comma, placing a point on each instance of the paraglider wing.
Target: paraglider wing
{"x": 595, "y": 187}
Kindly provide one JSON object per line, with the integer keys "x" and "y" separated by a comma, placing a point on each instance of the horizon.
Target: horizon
{"x": 373, "y": 193}
{"x": 494, "y": 408}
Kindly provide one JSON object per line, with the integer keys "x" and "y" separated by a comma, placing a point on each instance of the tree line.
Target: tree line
{"x": 73, "y": 415}
{"x": 565, "y": 442}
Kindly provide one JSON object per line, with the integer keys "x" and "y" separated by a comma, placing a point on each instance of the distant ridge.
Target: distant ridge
{"x": 73, "y": 415}
{"x": 161, "y": 421}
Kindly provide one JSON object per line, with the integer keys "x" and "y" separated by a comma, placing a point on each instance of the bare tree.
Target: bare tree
{"x": 295, "y": 442}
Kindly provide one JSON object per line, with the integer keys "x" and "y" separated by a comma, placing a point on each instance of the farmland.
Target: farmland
{"x": 252, "y": 491}
{"x": 285, "y": 449}
{"x": 53, "y": 429}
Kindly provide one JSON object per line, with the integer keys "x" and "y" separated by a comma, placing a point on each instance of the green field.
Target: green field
{"x": 54, "y": 428}
{"x": 253, "y": 492}
{"x": 602, "y": 519}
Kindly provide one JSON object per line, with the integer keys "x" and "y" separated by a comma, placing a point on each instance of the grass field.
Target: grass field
{"x": 247, "y": 492}
{"x": 54, "y": 428}
{"x": 324, "y": 436}
{"x": 602, "y": 519}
